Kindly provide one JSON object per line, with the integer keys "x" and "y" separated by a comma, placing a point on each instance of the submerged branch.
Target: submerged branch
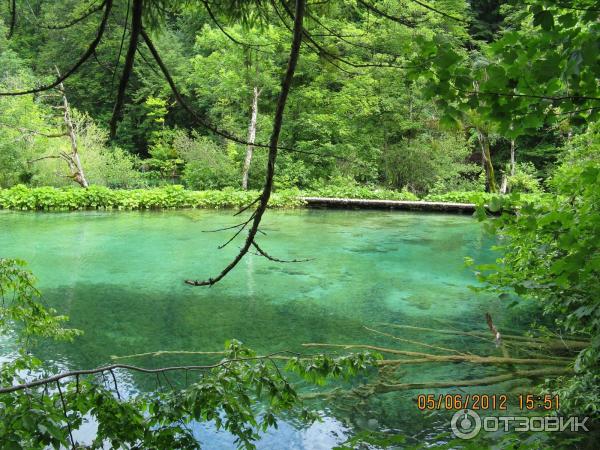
{"x": 427, "y": 357}
{"x": 367, "y": 390}
{"x": 164, "y": 352}
{"x": 551, "y": 343}
{"x": 410, "y": 341}
{"x": 101, "y": 370}
{"x": 539, "y": 373}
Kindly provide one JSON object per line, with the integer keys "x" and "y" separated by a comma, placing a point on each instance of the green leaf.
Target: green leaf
{"x": 545, "y": 19}
{"x": 495, "y": 204}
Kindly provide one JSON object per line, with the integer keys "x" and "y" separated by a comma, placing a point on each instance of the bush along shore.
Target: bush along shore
{"x": 24, "y": 198}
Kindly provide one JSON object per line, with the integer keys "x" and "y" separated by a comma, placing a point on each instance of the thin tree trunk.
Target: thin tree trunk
{"x": 504, "y": 187}
{"x": 512, "y": 157}
{"x": 73, "y": 159}
{"x": 487, "y": 161}
{"x": 251, "y": 137}
{"x": 504, "y": 184}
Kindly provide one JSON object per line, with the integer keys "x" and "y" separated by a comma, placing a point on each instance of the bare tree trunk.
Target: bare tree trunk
{"x": 487, "y": 160}
{"x": 73, "y": 159}
{"x": 512, "y": 157}
{"x": 504, "y": 184}
{"x": 504, "y": 187}
{"x": 251, "y": 137}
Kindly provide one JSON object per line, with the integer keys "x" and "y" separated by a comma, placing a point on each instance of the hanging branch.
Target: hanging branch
{"x": 228, "y": 35}
{"x": 34, "y": 132}
{"x": 329, "y": 55}
{"x": 440, "y": 12}
{"x": 88, "y": 53}
{"x": 114, "y": 74}
{"x": 343, "y": 38}
{"x": 517, "y": 94}
{"x": 272, "y": 157}
{"x": 400, "y": 20}
{"x": 75, "y": 21}
{"x": 261, "y": 252}
{"x": 64, "y": 407}
{"x": 314, "y": 50}
{"x": 136, "y": 27}
{"x": 101, "y": 370}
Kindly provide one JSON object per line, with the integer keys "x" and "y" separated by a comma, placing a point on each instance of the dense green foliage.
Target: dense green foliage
{"x": 353, "y": 111}
{"x": 96, "y": 197}
{"x": 551, "y": 252}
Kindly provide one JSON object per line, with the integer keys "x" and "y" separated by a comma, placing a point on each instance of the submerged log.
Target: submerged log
{"x": 486, "y": 381}
{"x": 568, "y": 343}
{"x": 428, "y": 358}
{"x": 466, "y": 208}
{"x": 367, "y": 390}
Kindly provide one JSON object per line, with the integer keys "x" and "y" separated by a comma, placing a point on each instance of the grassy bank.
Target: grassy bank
{"x": 172, "y": 197}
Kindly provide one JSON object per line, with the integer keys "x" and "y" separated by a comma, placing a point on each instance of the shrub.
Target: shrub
{"x": 104, "y": 166}
{"x": 430, "y": 163}
{"x": 524, "y": 179}
{"x": 458, "y": 197}
{"x": 551, "y": 253}
{"x": 207, "y": 165}
{"x": 341, "y": 187}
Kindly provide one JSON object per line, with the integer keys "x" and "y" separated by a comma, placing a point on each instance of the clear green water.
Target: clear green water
{"x": 119, "y": 276}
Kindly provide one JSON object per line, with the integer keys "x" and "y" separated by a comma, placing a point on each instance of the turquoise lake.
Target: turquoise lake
{"x": 119, "y": 276}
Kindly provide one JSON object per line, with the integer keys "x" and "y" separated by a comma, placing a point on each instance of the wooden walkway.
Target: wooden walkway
{"x": 323, "y": 202}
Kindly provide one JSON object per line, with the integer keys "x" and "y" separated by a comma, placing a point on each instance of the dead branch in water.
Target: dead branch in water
{"x": 410, "y": 341}
{"x": 428, "y": 358}
{"x": 367, "y": 390}
{"x": 550, "y": 343}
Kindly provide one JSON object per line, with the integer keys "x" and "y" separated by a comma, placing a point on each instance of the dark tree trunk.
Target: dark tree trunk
{"x": 136, "y": 28}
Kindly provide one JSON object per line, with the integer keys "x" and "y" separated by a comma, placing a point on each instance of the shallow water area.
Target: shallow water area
{"x": 119, "y": 276}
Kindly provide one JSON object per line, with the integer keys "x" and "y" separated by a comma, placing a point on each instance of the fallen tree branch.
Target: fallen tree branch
{"x": 381, "y": 388}
{"x": 101, "y": 370}
{"x": 261, "y": 252}
{"x": 550, "y": 343}
{"x": 427, "y": 357}
{"x": 540, "y": 373}
{"x": 409, "y": 341}
{"x": 164, "y": 352}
